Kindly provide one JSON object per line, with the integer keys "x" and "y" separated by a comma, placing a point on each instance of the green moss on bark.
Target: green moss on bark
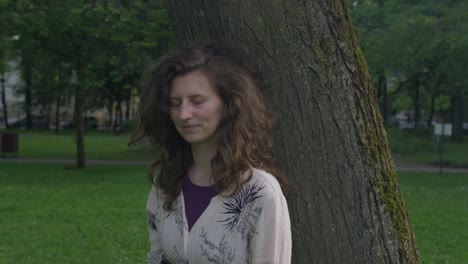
{"x": 390, "y": 193}
{"x": 376, "y": 143}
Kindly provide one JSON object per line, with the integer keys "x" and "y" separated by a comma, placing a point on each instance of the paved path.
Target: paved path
{"x": 400, "y": 165}
{"x": 415, "y": 167}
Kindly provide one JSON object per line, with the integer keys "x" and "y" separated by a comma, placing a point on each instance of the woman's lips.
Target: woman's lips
{"x": 189, "y": 128}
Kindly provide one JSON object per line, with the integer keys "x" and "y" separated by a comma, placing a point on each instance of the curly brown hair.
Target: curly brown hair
{"x": 245, "y": 128}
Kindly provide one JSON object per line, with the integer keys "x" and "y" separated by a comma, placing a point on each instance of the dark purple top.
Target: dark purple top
{"x": 196, "y": 199}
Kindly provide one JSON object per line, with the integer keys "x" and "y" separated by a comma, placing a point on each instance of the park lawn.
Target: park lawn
{"x": 414, "y": 146}
{"x": 100, "y": 145}
{"x": 50, "y": 214}
{"x": 420, "y": 146}
{"x": 53, "y": 214}
{"x": 438, "y": 208}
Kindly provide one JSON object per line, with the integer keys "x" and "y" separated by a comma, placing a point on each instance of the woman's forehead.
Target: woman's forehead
{"x": 191, "y": 85}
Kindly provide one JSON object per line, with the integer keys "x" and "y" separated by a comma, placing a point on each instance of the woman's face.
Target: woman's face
{"x": 195, "y": 107}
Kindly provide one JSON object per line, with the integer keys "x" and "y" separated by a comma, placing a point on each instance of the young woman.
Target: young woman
{"x": 217, "y": 198}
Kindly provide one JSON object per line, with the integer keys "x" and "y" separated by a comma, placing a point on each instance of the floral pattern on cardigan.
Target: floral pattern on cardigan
{"x": 251, "y": 226}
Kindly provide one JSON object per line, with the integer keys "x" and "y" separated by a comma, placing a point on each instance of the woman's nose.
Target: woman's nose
{"x": 185, "y": 111}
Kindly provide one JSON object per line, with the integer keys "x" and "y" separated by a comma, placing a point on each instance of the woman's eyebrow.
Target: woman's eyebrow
{"x": 191, "y": 97}
{"x": 197, "y": 95}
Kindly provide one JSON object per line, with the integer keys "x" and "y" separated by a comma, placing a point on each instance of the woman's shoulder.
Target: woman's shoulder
{"x": 267, "y": 182}
{"x": 155, "y": 197}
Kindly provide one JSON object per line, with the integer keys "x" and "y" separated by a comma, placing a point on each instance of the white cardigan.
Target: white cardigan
{"x": 252, "y": 226}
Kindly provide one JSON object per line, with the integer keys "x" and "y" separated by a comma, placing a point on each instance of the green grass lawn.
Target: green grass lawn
{"x": 102, "y": 145}
{"x": 50, "y": 214}
{"x": 438, "y": 207}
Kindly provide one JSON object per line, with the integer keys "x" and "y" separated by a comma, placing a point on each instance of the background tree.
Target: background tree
{"x": 417, "y": 45}
{"x": 25, "y": 25}
{"x": 6, "y": 38}
{"x": 346, "y": 206}
{"x": 99, "y": 46}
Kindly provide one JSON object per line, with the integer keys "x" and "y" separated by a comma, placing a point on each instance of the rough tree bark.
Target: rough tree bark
{"x": 346, "y": 204}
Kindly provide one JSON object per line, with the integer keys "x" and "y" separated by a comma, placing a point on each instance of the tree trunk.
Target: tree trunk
{"x": 457, "y": 118}
{"x": 79, "y": 122}
{"x": 110, "y": 114}
{"x": 49, "y": 113}
{"x": 28, "y": 97}
{"x": 128, "y": 97}
{"x": 416, "y": 104}
{"x": 383, "y": 98}
{"x": 4, "y": 104}
{"x": 431, "y": 110}
{"x": 57, "y": 114}
{"x": 118, "y": 115}
{"x": 435, "y": 93}
{"x": 346, "y": 205}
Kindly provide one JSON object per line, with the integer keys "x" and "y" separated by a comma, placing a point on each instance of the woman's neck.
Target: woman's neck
{"x": 200, "y": 172}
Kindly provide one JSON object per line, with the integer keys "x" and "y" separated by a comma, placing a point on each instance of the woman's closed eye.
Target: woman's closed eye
{"x": 174, "y": 103}
{"x": 195, "y": 100}
{"x": 198, "y": 100}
